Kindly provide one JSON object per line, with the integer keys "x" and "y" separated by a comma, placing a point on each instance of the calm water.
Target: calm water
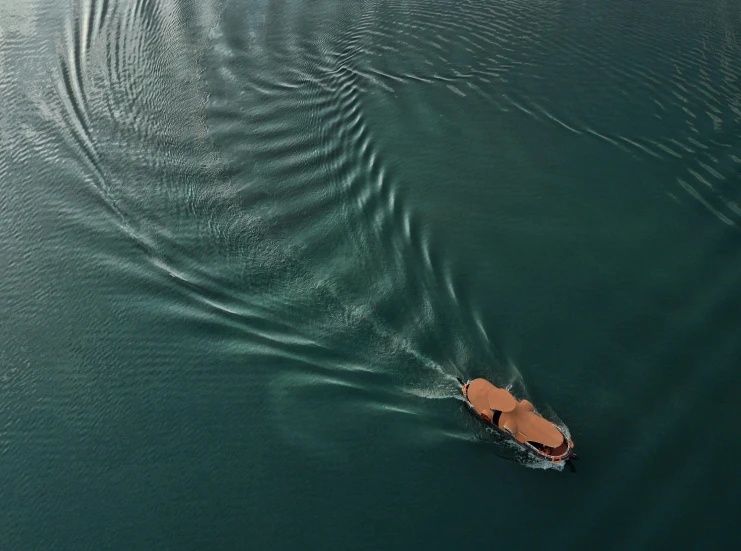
{"x": 247, "y": 247}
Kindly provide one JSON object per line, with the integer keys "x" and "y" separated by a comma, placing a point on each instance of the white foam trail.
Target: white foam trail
{"x": 707, "y": 205}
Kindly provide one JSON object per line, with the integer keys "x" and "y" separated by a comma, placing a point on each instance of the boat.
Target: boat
{"x": 517, "y": 420}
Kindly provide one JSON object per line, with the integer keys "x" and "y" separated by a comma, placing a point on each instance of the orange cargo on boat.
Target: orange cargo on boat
{"x": 518, "y": 420}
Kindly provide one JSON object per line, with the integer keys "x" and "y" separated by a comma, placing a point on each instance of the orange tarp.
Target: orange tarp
{"x": 485, "y": 396}
{"x": 528, "y": 425}
{"x": 519, "y": 417}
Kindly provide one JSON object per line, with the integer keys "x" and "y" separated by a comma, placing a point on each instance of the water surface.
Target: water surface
{"x": 249, "y": 245}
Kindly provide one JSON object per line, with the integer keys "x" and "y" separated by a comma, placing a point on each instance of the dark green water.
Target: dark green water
{"x": 247, "y": 247}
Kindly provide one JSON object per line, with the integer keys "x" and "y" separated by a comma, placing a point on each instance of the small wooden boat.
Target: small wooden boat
{"x": 517, "y": 420}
